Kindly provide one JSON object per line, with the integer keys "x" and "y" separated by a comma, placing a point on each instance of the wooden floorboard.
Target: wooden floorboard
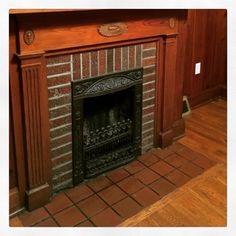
{"x": 203, "y": 200}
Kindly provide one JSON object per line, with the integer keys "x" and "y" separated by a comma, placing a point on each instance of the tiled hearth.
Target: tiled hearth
{"x": 119, "y": 194}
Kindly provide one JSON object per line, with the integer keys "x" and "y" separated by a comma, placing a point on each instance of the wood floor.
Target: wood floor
{"x": 202, "y": 201}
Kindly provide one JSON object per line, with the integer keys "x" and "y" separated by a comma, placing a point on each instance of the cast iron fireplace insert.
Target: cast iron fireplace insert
{"x": 106, "y": 120}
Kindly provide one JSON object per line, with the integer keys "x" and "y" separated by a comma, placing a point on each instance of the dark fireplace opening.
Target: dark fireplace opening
{"x": 106, "y": 122}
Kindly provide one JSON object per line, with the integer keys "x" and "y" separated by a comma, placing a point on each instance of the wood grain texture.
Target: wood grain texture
{"x": 34, "y": 89}
{"x": 205, "y": 194}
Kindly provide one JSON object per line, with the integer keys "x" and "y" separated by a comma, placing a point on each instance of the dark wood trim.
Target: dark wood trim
{"x": 36, "y": 122}
{"x": 166, "y": 90}
{"x": 17, "y": 195}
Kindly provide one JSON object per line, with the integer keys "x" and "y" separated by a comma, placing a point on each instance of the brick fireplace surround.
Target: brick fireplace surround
{"x": 53, "y": 53}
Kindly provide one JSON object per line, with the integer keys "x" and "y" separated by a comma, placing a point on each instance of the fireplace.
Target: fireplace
{"x": 106, "y": 119}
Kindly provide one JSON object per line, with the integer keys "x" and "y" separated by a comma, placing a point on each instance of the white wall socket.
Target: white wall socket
{"x": 197, "y": 68}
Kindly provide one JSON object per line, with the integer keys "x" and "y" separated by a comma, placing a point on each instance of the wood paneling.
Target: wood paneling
{"x": 206, "y": 43}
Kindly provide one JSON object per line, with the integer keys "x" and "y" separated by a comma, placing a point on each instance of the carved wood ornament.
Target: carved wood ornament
{"x": 112, "y": 29}
{"x": 29, "y": 36}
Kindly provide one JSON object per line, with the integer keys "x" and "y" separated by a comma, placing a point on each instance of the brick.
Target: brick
{"x": 177, "y": 178}
{"x": 148, "y": 125}
{"x": 94, "y": 63}
{"x": 147, "y": 133}
{"x": 61, "y": 150}
{"x": 125, "y": 58}
{"x": 175, "y": 160}
{"x": 162, "y": 187}
{"x": 57, "y": 59}
{"x": 65, "y": 79}
{"x": 131, "y": 57}
{"x": 149, "y": 70}
{"x": 162, "y": 153}
{"x": 102, "y": 62}
{"x": 60, "y": 131}
{"x": 149, "y": 45}
{"x": 147, "y": 140}
{"x": 99, "y": 183}
{"x": 149, "y": 61}
{"x": 76, "y": 66}
{"x": 58, "y": 69}
{"x": 117, "y": 175}
{"x": 69, "y": 217}
{"x": 62, "y": 159}
{"x": 59, "y": 101}
{"x": 60, "y": 141}
{"x": 106, "y": 218}
{"x": 146, "y": 197}
{"x": 117, "y": 59}
{"x": 60, "y": 121}
{"x": 63, "y": 177}
{"x": 47, "y": 223}
{"x": 92, "y": 205}
{"x": 162, "y": 168}
{"x": 149, "y": 78}
{"x": 58, "y": 92}
{"x": 58, "y": 203}
{"x": 147, "y": 176}
{"x": 148, "y": 110}
{"x": 79, "y": 193}
{"x": 149, "y": 53}
{"x": 149, "y": 102}
{"x": 130, "y": 185}
{"x": 127, "y": 207}
{"x": 33, "y": 217}
{"x": 110, "y": 60}
{"x": 134, "y": 167}
{"x": 85, "y": 65}
{"x": 149, "y": 86}
{"x": 112, "y": 194}
{"x": 60, "y": 111}
{"x": 147, "y": 118}
{"x": 149, "y": 94}
{"x": 148, "y": 159}
{"x": 191, "y": 169}
{"x": 138, "y": 55}
{"x": 203, "y": 162}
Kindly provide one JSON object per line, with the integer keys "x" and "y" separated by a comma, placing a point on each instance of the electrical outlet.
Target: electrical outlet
{"x": 197, "y": 68}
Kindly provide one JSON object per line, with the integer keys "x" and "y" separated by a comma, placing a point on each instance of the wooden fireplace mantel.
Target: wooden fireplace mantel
{"x": 37, "y": 34}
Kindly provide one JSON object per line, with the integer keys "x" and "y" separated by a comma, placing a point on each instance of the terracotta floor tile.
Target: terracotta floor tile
{"x": 58, "y": 203}
{"x": 147, "y": 176}
{"x": 92, "y": 205}
{"x": 108, "y": 217}
{"x": 176, "y": 160}
{"x": 148, "y": 159}
{"x": 79, "y": 193}
{"x": 127, "y": 207}
{"x": 130, "y": 185}
{"x": 191, "y": 169}
{"x": 203, "y": 162}
{"x": 33, "y": 217}
{"x": 86, "y": 223}
{"x": 188, "y": 154}
{"x": 162, "y": 186}
{"x": 162, "y": 153}
{"x": 47, "y": 223}
{"x": 177, "y": 178}
{"x": 146, "y": 197}
{"x": 176, "y": 147}
{"x": 162, "y": 168}
{"x": 117, "y": 175}
{"x": 69, "y": 217}
{"x": 134, "y": 167}
{"x": 99, "y": 183}
{"x": 112, "y": 194}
